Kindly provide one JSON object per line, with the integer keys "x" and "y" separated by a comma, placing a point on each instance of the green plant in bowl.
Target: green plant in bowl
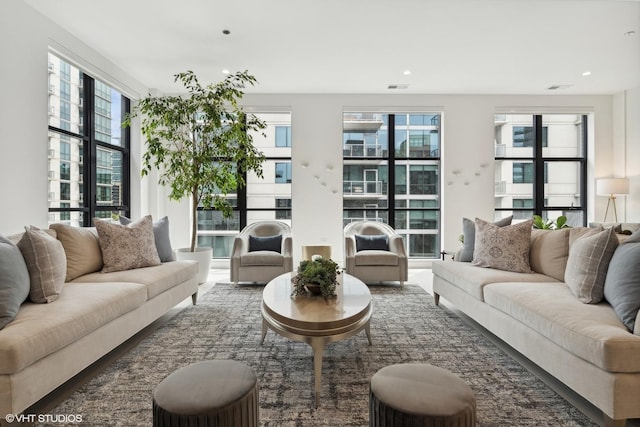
{"x": 317, "y": 275}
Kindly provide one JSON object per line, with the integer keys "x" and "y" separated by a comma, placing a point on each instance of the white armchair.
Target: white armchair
{"x": 375, "y": 252}
{"x": 262, "y": 251}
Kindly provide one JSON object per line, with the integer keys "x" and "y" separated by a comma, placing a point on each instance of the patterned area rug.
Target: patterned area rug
{"x": 406, "y": 327}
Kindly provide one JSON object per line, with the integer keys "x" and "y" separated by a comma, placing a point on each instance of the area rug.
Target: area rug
{"x": 406, "y": 327}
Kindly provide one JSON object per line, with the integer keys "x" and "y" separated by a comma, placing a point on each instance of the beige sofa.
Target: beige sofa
{"x": 47, "y": 344}
{"x": 585, "y": 346}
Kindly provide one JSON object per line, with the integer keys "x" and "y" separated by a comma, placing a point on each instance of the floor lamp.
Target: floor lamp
{"x": 612, "y": 187}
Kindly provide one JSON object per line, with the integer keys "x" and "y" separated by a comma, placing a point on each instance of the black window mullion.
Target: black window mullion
{"x": 89, "y": 149}
{"x": 538, "y": 164}
{"x": 391, "y": 171}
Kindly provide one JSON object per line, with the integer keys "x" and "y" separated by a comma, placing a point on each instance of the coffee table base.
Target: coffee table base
{"x": 317, "y": 339}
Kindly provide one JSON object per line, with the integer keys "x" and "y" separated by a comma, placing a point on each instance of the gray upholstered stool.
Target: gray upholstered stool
{"x": 211, "y": 393}
{"x": 420, "y": 395}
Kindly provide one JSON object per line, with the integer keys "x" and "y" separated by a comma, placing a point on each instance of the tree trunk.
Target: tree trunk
{"x": 194, "y": 217}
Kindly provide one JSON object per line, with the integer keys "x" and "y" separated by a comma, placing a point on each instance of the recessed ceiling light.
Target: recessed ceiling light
{"x": 407, "y": 72}
{"x": 225, "y": 71}
{"x": 630, "y": 33}
{"x": 397, "y": 86}
{"x": 586, "y": 73}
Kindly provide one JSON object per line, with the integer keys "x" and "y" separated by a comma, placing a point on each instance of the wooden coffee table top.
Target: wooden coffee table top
{"x": 313, "y": 313}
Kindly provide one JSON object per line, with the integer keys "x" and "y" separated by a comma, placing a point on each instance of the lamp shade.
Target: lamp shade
{"x": 608, "y": 186}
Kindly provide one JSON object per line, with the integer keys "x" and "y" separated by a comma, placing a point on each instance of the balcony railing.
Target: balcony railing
{"x": 364, "y": 187}
{"x": 362, "y": 150}
{"x": 501, "y": 188}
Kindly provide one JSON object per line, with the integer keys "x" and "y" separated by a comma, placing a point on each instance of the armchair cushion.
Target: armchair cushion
{"x": 261, "y": 258}
{"x": 266, "y": 243}
{"x": 379, "y": 242}
{"x": 376, "y": 257}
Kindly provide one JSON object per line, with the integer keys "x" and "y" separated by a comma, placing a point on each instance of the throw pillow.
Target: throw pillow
{"x": 161, "y": 236}
{"x": 265, "y": 243}
{"x": 125, "y": 247}
{"x": 503, "y": 248}
{"x": 469, "y": 237}
{"x": 46, "y": 262}
{"x": 622, "y": 283}
{"x": 549, "y": 251}
{"x": 82, "y": 249}
{"x": 14, "y": 281}
{"x": 372, "y": 242}
{"x": 587, "y": 265}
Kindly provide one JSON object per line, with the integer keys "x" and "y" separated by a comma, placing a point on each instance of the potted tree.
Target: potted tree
{"x": 201, "y": 143}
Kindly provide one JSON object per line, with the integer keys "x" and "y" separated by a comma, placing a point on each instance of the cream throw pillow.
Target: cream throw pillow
{"x": 503, "y": 248}
{"x": 82, "y": 248}
{"x": 587, "y": 266}
{"x": 125, "y": 247}
{"x": 549, "y": 251}
{"x": 46, "y": 262}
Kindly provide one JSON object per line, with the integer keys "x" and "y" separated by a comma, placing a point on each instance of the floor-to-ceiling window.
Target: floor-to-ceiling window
{"x": 540, "y": 166}
{"x": 88, "y": 148}
{"x": 391, "y": 173}
{"x": 265, "y": 198}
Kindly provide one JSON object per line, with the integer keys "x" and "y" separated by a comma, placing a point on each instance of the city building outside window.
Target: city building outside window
{"x": 266, "y": 198}
{"x": 391, "y": 170}
{"x": 540, "y": 166}
{"x": 85, "y": 116}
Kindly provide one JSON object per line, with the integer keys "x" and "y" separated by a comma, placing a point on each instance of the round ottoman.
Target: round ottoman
{"x": 420, "y": 395}
{"x": 211, "y": 393}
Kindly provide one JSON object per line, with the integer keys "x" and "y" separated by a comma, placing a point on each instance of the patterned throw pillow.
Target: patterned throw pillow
{"x": 587, "y": 266}
{"x": 469, "y": 237}
{"x": 46, "y": 262}
{"x": 503, "y": 248}
{"x": 125, "y": 247}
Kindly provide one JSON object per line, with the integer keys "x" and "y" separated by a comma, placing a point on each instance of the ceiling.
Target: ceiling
{"x": 363, "y": 46}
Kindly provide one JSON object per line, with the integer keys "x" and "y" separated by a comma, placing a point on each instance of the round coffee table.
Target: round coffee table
{"x": 314, "y": 320}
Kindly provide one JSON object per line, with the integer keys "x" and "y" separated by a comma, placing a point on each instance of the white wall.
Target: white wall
{"x": 468, "y": 136}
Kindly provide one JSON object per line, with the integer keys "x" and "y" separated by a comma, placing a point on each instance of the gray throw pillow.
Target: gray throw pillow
{"x": 161, "y": 236}
{"x": 265, "y": 243}
{"x": 372, "y": 242}
{"x": 469, "y": 233}
{"x": 14, "y": 281}
{"x": 622, "y": 284}
{"x": 503, "y": 248}
{"x": 587, "y": 265}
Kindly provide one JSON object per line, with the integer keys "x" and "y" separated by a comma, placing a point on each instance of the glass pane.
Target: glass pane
{"x": 368, "y": 214}
{"x": 564, "y": 135}
{"x": 575, "y": 218}
{"x": 419, "y": 139}
{"x": 65, "y": 171}
{"x": 65, "y": 95}
{"x": 108, "y": 114}
{"x": 514, "y": 135}
{"x": 210, "y": 220}
{"x": 365, "y": 135}
{"x": 513, "y": 180}
{"x": 222, "y": 245}
{"x": 108, "y": 177}
{"x": 73, "y": 218}
{"x": 423, "y": 245}
{"x": 562, "y": 184}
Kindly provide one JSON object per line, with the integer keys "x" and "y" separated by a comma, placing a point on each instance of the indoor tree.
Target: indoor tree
{"x": 200, "y": 141}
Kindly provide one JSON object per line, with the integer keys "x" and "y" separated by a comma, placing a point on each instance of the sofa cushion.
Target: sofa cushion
{"x": 549, "y": 252}
{"x": 156, "y": 279}
{"x": 371, "y": 242}
{"x": 376, "y": 257}
{"x": 46, "y": 262}
{"x": 587, "y": 265}
{"x": 262, "y": 258}
{"x": 81, "y": 247}
{"x": 469, "y": 237}
{"x": 265, "y": 243}
{"x": 622, "y": 284}
{"x": 472, "y": 279}
{"x": 39, "y": 330}
{"x": 125, "y": 247}
{"x": 14, "y": 281}
{"x": 161, "y": 237}
{"x": 505, "y": 248}
{"x": 592, "y": 332}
